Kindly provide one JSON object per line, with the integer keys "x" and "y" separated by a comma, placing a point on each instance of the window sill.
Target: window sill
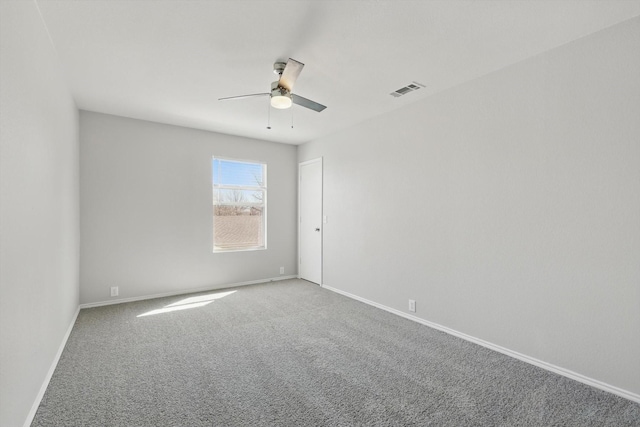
{"x": 223, "y": 251}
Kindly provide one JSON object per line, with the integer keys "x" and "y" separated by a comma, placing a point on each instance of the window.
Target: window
{"x": 239, "y": 205}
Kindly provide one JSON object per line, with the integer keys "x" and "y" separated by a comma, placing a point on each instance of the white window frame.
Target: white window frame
{"x": 263, "y": 188}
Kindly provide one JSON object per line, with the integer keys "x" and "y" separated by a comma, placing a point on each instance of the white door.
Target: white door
{"x": 310, "y": 221}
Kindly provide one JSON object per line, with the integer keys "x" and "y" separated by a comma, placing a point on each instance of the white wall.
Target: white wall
{"x": 39, "y": 220}
{"x": 146, "y": 209}
{"x": 508, "y": 207}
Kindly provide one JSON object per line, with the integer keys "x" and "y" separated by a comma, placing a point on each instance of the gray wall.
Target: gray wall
{"x": 38, "y": 208}
{"x": 507, "y": 207}
{"x": 146, "y": 209}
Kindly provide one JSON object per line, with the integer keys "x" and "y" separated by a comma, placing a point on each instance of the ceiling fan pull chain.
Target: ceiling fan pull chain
{"x": 291, "y": 118}
{"x": 269, "y": 115}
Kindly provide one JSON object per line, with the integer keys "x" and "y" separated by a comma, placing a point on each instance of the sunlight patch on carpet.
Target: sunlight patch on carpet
{"x": 187, "y": 303}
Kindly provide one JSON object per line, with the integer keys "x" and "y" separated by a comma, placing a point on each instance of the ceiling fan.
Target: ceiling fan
{"x": 281, "y": 96}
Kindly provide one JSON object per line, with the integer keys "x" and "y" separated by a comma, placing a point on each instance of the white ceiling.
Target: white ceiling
{"x": 170, "y": 61}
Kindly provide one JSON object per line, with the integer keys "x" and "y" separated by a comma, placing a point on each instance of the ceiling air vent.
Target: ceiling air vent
{"x": 408, "y": 88}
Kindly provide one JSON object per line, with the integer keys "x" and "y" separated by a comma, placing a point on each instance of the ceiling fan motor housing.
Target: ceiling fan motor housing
{"x": 277, "y": 90}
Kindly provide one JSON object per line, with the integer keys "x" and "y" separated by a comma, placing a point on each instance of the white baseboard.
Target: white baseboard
{"x": 52, "y": 368}
{"x": 184, "y": 291}
{"x": 533, "y": 361}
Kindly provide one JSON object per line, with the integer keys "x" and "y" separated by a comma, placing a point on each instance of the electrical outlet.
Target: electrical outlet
{"x": 412, "y": 305}
{"x": 114, "y": 291}
{"x": 281, "y": 270}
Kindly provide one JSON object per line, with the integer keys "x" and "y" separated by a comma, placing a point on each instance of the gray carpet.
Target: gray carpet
{"x": 293, "y": 354}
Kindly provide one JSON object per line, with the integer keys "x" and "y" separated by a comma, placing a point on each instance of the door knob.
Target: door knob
{"x": 317, "y": 229}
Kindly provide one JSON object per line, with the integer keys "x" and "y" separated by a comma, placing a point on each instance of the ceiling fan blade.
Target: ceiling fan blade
{"x": 243, "y": 96}
{"x": 307, "y": 103}
{"x": 290, "y": 74}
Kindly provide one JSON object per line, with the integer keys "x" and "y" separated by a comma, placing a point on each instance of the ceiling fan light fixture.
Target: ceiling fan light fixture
{"x": 281, "y": 102}
{"x": 280, "y": 97}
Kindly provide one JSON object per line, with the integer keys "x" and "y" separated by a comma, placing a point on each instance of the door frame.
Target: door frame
{"x": 300, "y": 165}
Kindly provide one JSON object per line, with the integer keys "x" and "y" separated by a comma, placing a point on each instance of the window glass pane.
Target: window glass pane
{"x": 232, "y": 196}
{"x": 239, "y": 205}
{"x": 228, "y": 172}
{"x": 238, "y": 227}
